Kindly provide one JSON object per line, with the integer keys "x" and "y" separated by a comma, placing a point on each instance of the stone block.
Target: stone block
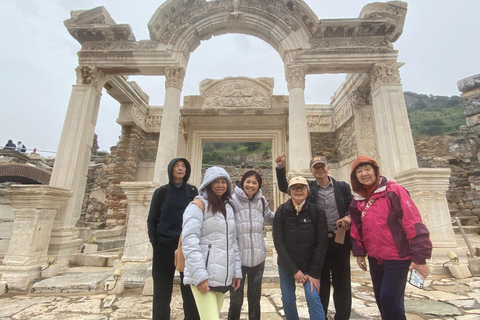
{"x": 469, "y": 83}
{"x": 51, "y": 271}
{"x": 119, "y": 287}
{"x": 459, "y": 271}
{"x": 473, "y": 120}
{"x": 474, "y": 265}
{"x": 90, "y": 248}
{"x": 99, "y": 260}
{"x": 3, "y": 286}
{"x": 148, "y": 287}
{"x": 471, "y": 107}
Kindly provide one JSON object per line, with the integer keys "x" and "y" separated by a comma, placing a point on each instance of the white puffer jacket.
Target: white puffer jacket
{"x": 249, "y": 218}
{"x": 210, "y": 241}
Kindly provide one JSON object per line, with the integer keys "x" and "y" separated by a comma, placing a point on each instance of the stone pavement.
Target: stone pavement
{"x": 444, "y": 297}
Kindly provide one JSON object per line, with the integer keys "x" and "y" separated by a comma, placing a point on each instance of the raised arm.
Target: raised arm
{"x": 281, "y": 173}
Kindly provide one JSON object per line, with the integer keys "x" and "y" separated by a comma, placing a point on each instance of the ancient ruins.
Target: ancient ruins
{"x": 366, "y": 116}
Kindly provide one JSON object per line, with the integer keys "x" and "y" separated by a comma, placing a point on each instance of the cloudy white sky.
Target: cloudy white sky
{"x": 440, "y": 45}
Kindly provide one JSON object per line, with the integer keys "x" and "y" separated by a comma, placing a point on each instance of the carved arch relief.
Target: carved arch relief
{"x": 182, "y": 24}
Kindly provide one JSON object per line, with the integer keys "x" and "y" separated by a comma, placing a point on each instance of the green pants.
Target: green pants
{"x": 208, "y": 304}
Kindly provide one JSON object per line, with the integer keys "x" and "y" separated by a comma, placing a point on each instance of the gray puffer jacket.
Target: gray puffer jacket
{"x": 210, "y": 241}
{"x": 249, "y": 220}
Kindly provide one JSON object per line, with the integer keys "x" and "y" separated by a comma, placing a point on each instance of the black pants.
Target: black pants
{"x": 337, "y": 265}
{"x": 254, "y": 293}
{"x": 163, "y": 271}
{"x": 389, "y": 279}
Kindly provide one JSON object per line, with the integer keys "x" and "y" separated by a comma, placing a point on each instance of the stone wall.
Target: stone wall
{"x": 94, "y": 208}
{"x": 459, "y": 152}
{"x": 323, "y": 143}
{"x": 105, "y": 203}
{"x": 236, "y": 173}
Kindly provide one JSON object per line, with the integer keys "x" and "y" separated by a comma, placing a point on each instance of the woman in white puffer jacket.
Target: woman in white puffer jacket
{"x": 251, "y": 212}
{"x": 212, "y": 257}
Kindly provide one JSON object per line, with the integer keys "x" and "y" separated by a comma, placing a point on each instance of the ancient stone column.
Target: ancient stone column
{"x": 137, "y": 255}
{"x": 34, "y": 209}
{"x": 396, "y": 150}
{"x": 299, "y": 152}
{"x": 167, "y": 144}
{"x": 73, "y": 155}
{"x": 428, "y": 187}
{"x": 364, "y": 121}
{"x": 470, "y": 88}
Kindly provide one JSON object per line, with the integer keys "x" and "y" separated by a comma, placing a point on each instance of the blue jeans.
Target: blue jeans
{"x": 389, "y": 280}
{"x": 289, "y": 299}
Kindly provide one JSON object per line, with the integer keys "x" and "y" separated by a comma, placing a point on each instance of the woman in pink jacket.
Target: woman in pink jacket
{"x": 386, "y": 226}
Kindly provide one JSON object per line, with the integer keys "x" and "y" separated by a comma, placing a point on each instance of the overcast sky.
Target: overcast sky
{"x": 440, "y": 45}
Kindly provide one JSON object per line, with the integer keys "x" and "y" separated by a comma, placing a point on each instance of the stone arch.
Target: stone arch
{"x": 182, "y": 24}
{"x": 24, "y": 174}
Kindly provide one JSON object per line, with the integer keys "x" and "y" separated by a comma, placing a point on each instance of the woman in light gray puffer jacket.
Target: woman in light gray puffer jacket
{"x": 212, "y": 257}
{"x": 251, "y": 212}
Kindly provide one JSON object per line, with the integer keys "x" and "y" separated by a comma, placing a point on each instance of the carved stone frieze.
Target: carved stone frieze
{"x": 139, "y": 115}
{"x": 295, "y": 76}
{"x": 178, "y": 19}
{"x": 119, "y": 46}
{"x": 345, "y": 50}
{"x": 153, "y": 121}
{"x": 237, "y": 92}
{"x": 384, "y": 73}
{"x": 342, "y": 114}
{"x": 315, "y": 121}
{"x": 367, "y": 135}
{"x": 174, "y": 77}
{"x": 352, "y": 42}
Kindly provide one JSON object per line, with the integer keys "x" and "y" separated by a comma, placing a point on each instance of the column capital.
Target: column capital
{"x": 174, "y": 77}
{"x": 295, "y": 76}
{"x": 359, "y": 96}
{"x": 382, "y": 73}
{"x": 90, "y": 75}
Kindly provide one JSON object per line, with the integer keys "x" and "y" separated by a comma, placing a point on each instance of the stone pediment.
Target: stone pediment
{"x": 236, "y": 92}
{"x": 97, "y": 25}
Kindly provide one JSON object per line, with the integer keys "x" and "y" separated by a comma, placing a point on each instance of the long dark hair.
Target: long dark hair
{"x": 216, "y": 203}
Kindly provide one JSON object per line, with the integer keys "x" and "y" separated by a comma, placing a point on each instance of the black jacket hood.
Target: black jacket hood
{"x": 187, "y": 173}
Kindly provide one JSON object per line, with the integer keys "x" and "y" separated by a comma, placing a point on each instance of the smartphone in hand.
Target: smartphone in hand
{"x": 416, "y": 279}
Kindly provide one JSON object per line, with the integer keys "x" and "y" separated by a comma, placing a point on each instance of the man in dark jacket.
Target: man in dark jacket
{"x": 164, "y": 223}
{"x": 300, "y": 238}
{"x": 334, "y": 198}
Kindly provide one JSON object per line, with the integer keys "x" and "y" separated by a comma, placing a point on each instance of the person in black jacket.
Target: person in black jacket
{"x": 300, "y": 239}
{"x": 164, "y": 223}
{"x": 333, "y": 197}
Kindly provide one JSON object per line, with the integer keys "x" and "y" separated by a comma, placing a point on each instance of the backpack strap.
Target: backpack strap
{"x": 199, "y": 204}
{"x": 262, "y": 198}
{"x": 346, "y": 195}
{"x": 162, "y": 195}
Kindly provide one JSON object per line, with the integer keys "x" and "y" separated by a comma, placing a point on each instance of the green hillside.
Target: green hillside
{"x": 433, "y": 115}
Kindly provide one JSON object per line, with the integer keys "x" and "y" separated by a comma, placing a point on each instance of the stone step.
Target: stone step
{"x": 104, "y": 259}
{"x": 75, "y": 280}
{"x": 110, "y": 233}
{"x": 110, "y": 243}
